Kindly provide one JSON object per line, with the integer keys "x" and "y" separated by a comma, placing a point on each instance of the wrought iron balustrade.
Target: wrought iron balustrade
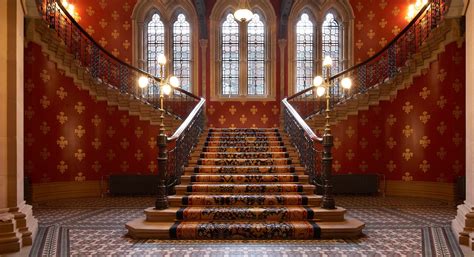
{"x": 395, "y": 57}
{"x": 108, "y": 71}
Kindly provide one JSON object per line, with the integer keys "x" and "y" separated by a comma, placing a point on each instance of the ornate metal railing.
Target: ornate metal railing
{"x": 382, "y": 66}
{"x": 315, "y": 152}
{"x": 108, "y": 71}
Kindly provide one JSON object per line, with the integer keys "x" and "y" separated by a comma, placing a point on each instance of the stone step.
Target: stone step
{"x": 243, "y": 178}
{"x": 244, "y": 200}
{"x": 348, "y": 228}
{"x": 201, "y": 169}
{"x": 290, "y": 213}
{"x": 261, "y": 188}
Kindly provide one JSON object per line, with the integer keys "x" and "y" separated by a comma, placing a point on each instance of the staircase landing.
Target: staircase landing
{"x": 244, "y": 184}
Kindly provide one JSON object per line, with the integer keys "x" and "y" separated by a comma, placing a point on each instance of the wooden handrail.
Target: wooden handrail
{"x": 301, "y": 122}
{"x": 102, "y": 49}
{"x": 188, "y": 120}
{"x": 378, "y": 54}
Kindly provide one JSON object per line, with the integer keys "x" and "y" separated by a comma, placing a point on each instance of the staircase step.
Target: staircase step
{"x": 260, "y": 188}
{"x": 243, "y": 178}
{"x": 242, "y": 138}
{"x": 242, "y": 144}
{"x": 251, "y": 130}
{"x": 231, "y": 149}
{"x": 219, "y": 213}
{"x": 245, "y": 162}
{"x": 252, "y": 155}
{"x": 243, "y": 169}
{"x": 244, "y": 200}
{"x": 243, "y": 134}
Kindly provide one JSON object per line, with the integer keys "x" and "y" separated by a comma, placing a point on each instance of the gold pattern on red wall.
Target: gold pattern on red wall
{"x": 422, "y": 130}
{"x": 70, "y": 136}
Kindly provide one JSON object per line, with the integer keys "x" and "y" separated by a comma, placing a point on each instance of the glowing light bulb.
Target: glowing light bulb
{"x": 243, "y": 15}
{"x": 161, "y": 59}
{"x": 320, "y": 91}
{"x": 143, "y": 82}
{"x": 317, "y": 81}
{"x": 346, "y": 83}
{"x": 327, "y": 61}
{"x": 166, "y": 89}
{"x": 174, "y": 81}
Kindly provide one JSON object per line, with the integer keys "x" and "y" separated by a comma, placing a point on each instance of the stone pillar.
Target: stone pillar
{"x": 17, "y": 224}
{"x": 463, "y": 224}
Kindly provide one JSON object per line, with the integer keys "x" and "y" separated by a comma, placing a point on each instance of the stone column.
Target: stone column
{"x": 463, "y": 224}
{"x": 17, "y": 224}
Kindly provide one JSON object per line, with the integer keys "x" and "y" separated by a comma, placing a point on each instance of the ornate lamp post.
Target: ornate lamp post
{"x": 165, "y": 89}
{"x": 323, "y": 88}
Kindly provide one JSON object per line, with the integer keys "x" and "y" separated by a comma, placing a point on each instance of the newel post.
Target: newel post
{"x": 328, "y": 199}
{"x": 162, "y": 200}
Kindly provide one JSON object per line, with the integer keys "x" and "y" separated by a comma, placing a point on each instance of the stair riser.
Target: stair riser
{"x": 242, "y": 200}
{"x": 240, "y": 189}
{"x": 245, "y": 149}
{"x": 242, "y": 169}
{"x": 243, "y": 162}
{"x": 242, "y": 144}
{"x": 240, "y": 179}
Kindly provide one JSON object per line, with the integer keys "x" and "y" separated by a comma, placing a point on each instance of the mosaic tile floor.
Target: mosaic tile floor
{"x": 394, "y": 227}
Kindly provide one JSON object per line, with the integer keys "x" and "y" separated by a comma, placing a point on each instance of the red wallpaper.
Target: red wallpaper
{"x": 109, "y": 23}
{"x": 71, "y": 137}
{"x": 376, "y": 23}
{"x": 417, "y": 135}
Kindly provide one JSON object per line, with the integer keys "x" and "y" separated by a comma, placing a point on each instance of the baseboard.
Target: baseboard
{"x": 434, "y": 190}
{"x": 65, "y": 190}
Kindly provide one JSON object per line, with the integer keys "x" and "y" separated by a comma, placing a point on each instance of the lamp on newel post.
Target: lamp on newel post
{"x": 166, "y": 86}
{"x": 323, "y": 88}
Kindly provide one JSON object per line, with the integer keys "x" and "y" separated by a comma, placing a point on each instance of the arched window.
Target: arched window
{"x": 245, "y": 60}
{"x": 155, "y": 43}
{"x": 314, "y": 32}
{"x": 256, "y": 57}
{"x": 182, "y": 51}
{"x": 170, "y": 30}
{"x": 332, "y": 42}
{"x": 305, "y": 37}
{"x": 230, "y": 55}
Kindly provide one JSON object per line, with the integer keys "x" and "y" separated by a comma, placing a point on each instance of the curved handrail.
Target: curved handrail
{"x": 103, "y": 65}
{"x": 392, "y": 43}
{"x": 384, "y": 65}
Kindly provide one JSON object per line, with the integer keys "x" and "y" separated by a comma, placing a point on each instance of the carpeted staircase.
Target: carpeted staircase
{"x": 244, "y": 184}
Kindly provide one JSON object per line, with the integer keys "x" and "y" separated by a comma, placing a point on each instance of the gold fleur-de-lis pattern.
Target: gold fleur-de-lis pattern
{"x": 70, "y": 136}
{"x": 418, "y": 134}
{"x": 375, "y": 24}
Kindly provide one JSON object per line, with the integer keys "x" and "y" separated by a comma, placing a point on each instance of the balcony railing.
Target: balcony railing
{"x": 108, "y": 71}
{"x": 315, "y": 151}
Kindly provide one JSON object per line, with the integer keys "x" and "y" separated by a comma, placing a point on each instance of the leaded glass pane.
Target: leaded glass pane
{"x": 230, "y": 56}
{"x": 155, "y": 43}
{"x": 256, "y": 56}
{"x": 182, "y": 51}
{"x": 304, "y": 52}
{"x": 331, "y": 42}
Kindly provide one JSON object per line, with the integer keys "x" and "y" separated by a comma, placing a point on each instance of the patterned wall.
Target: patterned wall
{"x": 376, "y": 23}
{"x": 417, "y": 135}
{"x": 71, "y": 137}
{"x": 108, "y": 21}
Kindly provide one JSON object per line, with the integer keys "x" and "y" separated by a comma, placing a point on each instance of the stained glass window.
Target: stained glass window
{"x": 256, "y": 56}
{"x": 304, "y": 52}
{"x": 155, "y": 43}
{"x": 331, "y": 42}
{"x": 182, "y": 51}
{"x": 230, "y": 56}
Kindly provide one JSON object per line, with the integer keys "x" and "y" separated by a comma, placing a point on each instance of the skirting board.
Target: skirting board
{"x": 65, "y": 190}
{"x": 434, "y": 190}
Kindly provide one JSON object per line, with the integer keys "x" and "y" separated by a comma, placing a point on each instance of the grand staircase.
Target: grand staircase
{"x": 244, "y": 184}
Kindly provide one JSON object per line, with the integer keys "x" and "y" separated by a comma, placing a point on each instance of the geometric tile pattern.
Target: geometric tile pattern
{"x": 395, "y": 226}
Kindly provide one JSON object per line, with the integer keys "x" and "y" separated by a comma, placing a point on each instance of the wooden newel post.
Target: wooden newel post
{"x": 162, "y": 198}
{"x": 328, "y": 199}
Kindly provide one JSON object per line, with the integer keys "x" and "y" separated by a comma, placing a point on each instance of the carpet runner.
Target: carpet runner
{"x": 244, "y": 184}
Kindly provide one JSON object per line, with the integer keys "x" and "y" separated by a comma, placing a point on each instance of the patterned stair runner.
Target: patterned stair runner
{"x": 243, "y": 184}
